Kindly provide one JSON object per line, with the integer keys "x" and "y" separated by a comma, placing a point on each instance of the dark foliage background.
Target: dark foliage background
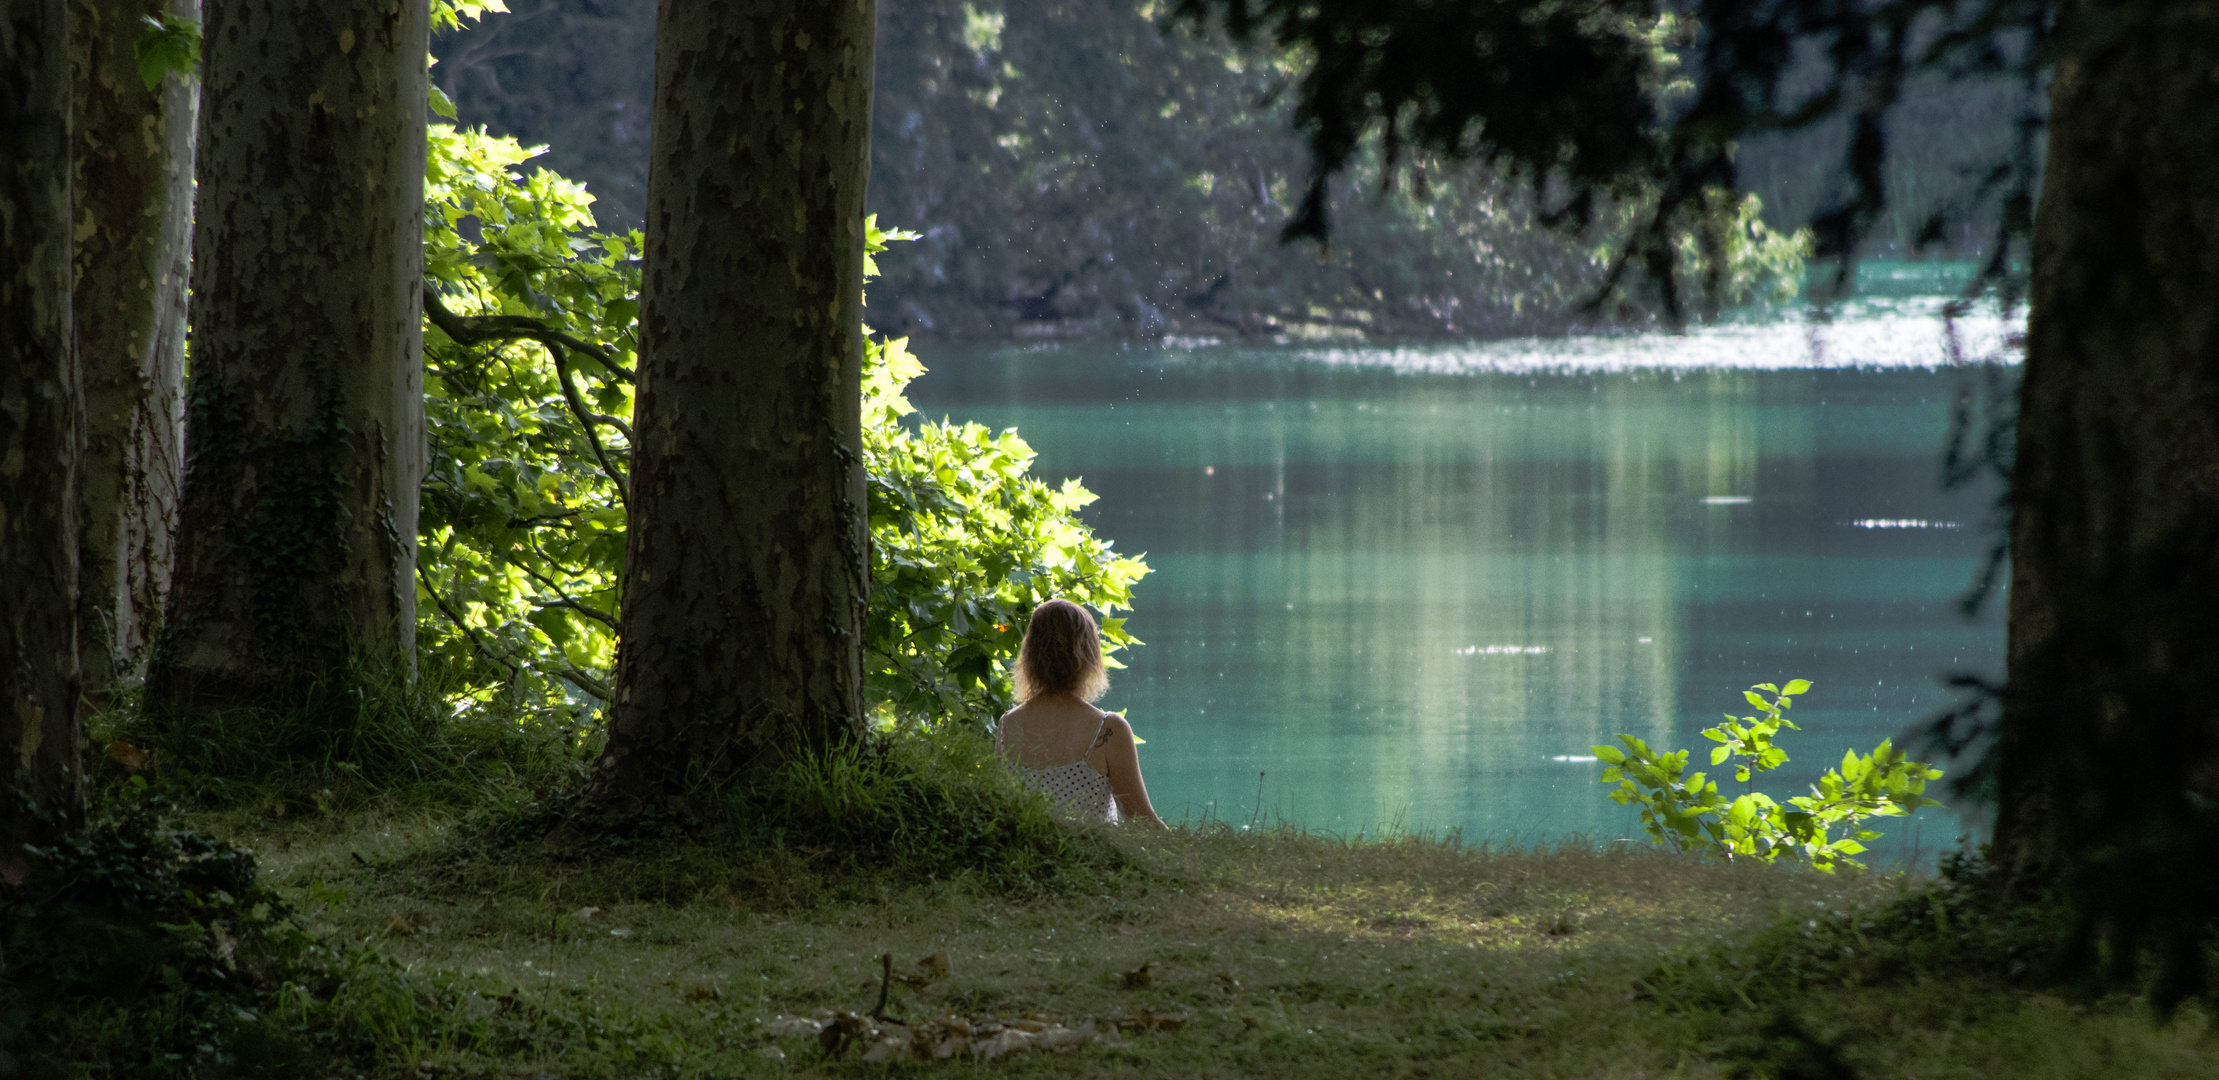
{"x": 1075, "y": 170}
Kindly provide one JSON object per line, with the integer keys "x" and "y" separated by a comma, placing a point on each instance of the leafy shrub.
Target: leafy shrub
{"x": 529, "y": 364}
{"x": 137, "y": 948}
{"x": 522, "y": 532}
{"x": 1688, "y": 813}
{"x": 964, "y": 545}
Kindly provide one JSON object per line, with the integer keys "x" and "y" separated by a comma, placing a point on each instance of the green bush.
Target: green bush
{"x": 1688, "y": 813}
{"x": 136, "y": 948}
{"x": 529, "y": 363}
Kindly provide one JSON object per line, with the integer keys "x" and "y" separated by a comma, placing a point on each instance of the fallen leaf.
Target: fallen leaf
{"x": 935, "y": 966}
{"x": 1144, "y": 975}
{"x": 771, "y": 1052}
{"x": 1226, "y": 981}
{"x": 1126, "y": 929}
{"x": 1006, "y": 1040}
{"x": 585, "y": 913}
{"x": 702, "y": 991}
{"x": 793, "y": 1025}
{"x": 398, "y": 925}
{"x": 131, "y": 757}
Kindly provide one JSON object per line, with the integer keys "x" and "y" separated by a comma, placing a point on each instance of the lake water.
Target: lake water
{"x": 1411, "y": 587}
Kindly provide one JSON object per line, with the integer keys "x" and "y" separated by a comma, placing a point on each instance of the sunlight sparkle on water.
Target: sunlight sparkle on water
{"x": 1866, "y": 334}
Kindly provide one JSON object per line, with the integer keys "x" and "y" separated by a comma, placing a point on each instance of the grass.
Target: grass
{"x": 462, "y": 942}
{"x": 1290, "y": 955}
{"x": 351, "y": 740}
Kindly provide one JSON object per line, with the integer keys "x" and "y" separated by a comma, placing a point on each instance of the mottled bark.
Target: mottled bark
{"x": 41, "y": 737}
{"x": 134, "y": 221}
{"x": 746, "y": 577}
{"x": 304, "y": 441}
{"x": 2109, "y": 756}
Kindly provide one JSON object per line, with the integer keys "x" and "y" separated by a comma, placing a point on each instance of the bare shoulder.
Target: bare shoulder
{"x": 1114, "y": 728}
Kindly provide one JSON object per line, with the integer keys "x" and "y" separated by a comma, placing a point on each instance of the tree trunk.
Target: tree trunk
{"x": 304, "y": 445}
{"x": 2108, "y": 761}
{"x": 134, "y": 223}
{"x": 746, "y": 578}
{"x": 41, "y": 740}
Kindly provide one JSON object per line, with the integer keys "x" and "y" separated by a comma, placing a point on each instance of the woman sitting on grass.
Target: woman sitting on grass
{"x": 1062, "y": 747}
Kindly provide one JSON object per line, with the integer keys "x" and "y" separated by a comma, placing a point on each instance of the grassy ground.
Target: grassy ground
{"x": 1286, "y": 955}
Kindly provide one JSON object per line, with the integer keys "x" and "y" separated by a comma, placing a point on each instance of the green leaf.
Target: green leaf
{"x": 440, "y": 104}
{"x": 167, "y": 44}
{"x": 1797, "y": 686}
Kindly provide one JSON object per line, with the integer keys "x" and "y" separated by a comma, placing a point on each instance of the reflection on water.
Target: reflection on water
{"x": 1414, "y": 586}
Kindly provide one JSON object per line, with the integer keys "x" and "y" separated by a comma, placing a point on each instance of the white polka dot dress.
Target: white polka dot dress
{"x": 1076, "y": 787}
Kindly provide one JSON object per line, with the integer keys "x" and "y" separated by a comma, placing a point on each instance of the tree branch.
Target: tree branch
{"x": 584, "y": 682}
{"x": 456, "y": 618}
{"x": 586, "y": 610}
{"x": 471, "y": 330}
{"x": 585, "y": 420}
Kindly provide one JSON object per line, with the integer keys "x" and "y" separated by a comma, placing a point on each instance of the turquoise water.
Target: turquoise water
{"x": 1412, "y": 587}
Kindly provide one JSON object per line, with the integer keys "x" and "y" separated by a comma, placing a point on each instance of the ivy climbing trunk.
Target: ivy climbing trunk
{"x": 304, "y": 446}
{"x": 2108, "y": 760}
{"x": 746, "y": 578}
{"x": 41, "y": 738}
{"x": 134, "y": 222}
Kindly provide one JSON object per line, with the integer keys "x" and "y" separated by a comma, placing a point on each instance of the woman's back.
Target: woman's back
{"x": 1059, "y": 748}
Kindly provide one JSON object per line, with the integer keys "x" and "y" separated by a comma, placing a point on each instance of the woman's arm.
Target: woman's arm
{"x": 1126, "y": 785}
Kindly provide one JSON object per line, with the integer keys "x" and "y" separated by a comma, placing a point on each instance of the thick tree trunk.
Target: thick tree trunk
{"x": 134, "y": 223}
{"x": 746, "y": 578}
{"x": 295, "y": 553}
{"x": 2109, "y": 753}
{"x": 41, "y": 739}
